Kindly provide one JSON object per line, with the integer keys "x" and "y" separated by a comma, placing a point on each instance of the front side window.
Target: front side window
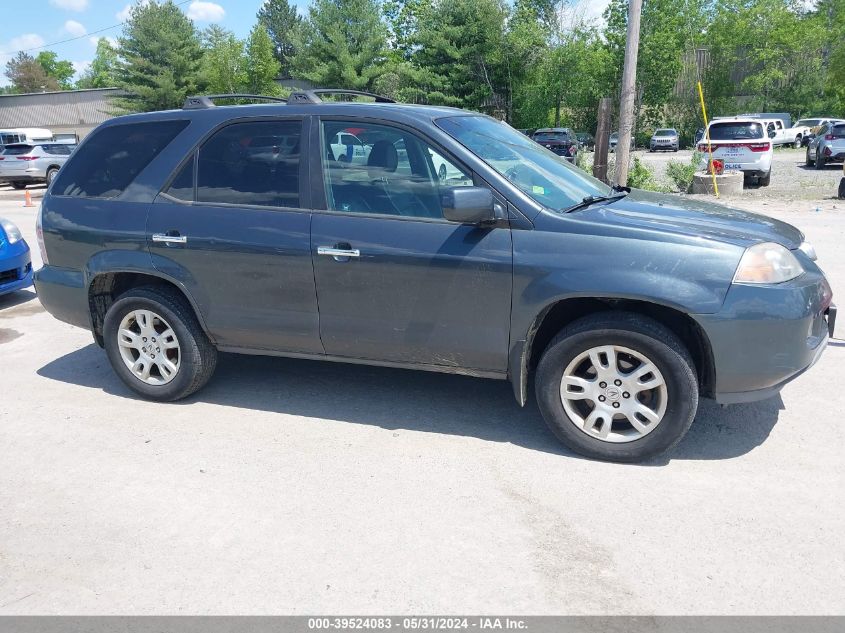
{"x": 110, "y": 160}
{"x": 253, "y": 163}
{"x": 387, "y": 171}
{"x": 540, "y": 173}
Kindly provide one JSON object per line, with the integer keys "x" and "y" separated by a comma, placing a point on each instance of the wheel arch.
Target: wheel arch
{"x": 104, "y": 286}
{"x": 557, "y": 315}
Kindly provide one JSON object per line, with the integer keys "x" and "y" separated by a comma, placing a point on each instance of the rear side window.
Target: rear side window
{"x": 57, "y": 149}
{"x": 113, "y": 157}
{"x": 252, "y": 163}
{"x": 736, "y": 131}
{"x": 18, "y": 150}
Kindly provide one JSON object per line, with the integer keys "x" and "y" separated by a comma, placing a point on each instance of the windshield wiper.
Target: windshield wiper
{"x": 589, "y": 201}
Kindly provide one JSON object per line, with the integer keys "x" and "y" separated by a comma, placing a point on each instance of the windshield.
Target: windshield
{"x": 541, "y": 174}
{"x": 665, "y": 133}
{"x": 736, "y": 131}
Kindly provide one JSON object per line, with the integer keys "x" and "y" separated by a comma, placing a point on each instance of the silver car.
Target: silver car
{"x": 828, "y": 146}
{"x": 27, "y": 164}
{"x": 664, "y": 139}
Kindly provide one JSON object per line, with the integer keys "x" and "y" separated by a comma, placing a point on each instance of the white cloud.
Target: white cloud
{"x": 75, "y": 28}
{"x": 80, "y": 67}
{"x": 125, "y": 13}
{"x": 70, "y": 5}
{"x": 95, "y": 39}
{"x": 203, "y": 11}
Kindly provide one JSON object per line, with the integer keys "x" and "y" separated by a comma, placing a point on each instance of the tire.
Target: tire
{"x": 51, "y": 174}
{"x": 819, "y": 164}
{"x": 764, "y": 181}
{"x": 197, "y": 357}
{"x": 842, "y": 188}
{"x": 19, "y": 185}
{"x": 808, "y": 162}
{"x": 637, "y": 334}
{"x": 798, "y": 142}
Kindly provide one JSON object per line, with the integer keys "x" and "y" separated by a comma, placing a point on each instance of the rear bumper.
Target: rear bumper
{"x": 64, "y": 294}
{"x": 23, "y": 177}
{"x": 16, "y": 271}
{"x": 766, "y": 336}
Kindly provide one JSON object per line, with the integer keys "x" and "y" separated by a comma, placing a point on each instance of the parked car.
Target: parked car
{"x": 586, "y": 140}
{"x": 742, "y": 144}
{"x": 15, "y": 263}
{"x": 828, "y": 146}
{"x": 622, "y": 308}
{"x": 814, "y": 125}
{"x": 664, "y": 139}
{"x": 613, "y": 140}
{"x": 23, "y": 164}
{"x": 560, "y": 140}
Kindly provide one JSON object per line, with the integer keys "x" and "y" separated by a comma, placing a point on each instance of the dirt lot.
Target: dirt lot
{"x": 289, "y": 486}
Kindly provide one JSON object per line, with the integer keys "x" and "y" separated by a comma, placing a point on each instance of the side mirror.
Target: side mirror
{"x": 468, "y": 205}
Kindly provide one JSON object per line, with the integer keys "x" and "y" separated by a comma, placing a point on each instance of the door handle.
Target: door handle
{"x": 164, "y": 238}
{"x": 338, "y": 253}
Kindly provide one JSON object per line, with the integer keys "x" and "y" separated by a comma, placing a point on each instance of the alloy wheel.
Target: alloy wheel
{"x": 149, "y": 347}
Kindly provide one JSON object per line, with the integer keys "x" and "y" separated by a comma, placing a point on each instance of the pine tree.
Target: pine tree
{"x": 161, "y": 56}
{"x": 262, "y": 67}
{"x": 281, "y": 21}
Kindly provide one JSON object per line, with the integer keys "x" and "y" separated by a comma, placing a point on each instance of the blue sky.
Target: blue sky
{"x": 35, "y": 23}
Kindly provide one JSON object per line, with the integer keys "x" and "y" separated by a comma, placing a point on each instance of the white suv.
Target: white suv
{"x": 743, "y": 145}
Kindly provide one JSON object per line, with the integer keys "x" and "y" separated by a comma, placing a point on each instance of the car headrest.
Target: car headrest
{"x": 383, "y": 158}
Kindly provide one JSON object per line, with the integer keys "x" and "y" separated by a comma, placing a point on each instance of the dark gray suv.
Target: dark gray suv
{"x": 175, "y": 235}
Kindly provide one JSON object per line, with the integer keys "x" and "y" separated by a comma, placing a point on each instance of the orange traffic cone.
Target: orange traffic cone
{"x": 27, "y": 199}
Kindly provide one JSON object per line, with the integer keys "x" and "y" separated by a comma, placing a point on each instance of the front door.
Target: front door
{"x": 231, "y": 228}
{"x": 395, "y": 281}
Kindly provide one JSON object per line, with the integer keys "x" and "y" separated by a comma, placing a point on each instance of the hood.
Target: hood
{"x": 679, "y": 214}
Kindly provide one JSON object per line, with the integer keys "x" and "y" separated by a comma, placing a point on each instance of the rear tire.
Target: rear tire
{"x": 766, "y": 180}
{"x": 51, "y": 174}
{"x": 624, "y": 441}
{"x": 19, "y": 185}
{"x": 819, "y": 158}
{"x": 195, "y": 357}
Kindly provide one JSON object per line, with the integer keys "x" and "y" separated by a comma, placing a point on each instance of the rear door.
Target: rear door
{"x": 396, "y": 282}
{"x": 233, "y": 226}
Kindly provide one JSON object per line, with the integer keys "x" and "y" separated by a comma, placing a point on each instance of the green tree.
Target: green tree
{"x": 342, "y": 44}
{"x": 59, "y": 69}
{"x": 27, "y": 75}
{"x": 262, "y": 67}
{"x": 161, "y": 56}
{"x": 102, "y": 73}
{"x": 281, "y": 21}
{"x": 224, "y": 62}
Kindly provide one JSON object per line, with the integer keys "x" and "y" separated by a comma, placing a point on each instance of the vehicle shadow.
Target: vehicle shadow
{"x": 16, "y": 298}
{"x": 411, "y": 400}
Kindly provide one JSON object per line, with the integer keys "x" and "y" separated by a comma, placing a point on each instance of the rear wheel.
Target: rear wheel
{"x": 156, "y": 345}
{"x": 766, "y": 180}
{"x": 819, "y": 158}
{"x": 51, "y": 174}
{"x": 19, "y": 185}
{"x": 617, "y": 386}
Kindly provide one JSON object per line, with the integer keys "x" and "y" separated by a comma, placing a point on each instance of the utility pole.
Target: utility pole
{"x": 626, "y": 104}
{"x": 602, "y": 140}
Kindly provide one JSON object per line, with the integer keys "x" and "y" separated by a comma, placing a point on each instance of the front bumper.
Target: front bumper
{"x": 15, "y": 268}
{"x": 766, "y": 336}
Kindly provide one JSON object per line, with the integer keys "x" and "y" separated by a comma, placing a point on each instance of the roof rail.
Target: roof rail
{"x": 313, "y": 96}
{"x": 201, "y": 102}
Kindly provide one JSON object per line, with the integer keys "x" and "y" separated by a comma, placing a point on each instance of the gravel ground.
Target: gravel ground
{"x": 291, "y": 487}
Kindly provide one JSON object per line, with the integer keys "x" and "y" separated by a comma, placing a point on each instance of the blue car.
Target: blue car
{"x": 15, "y": 262}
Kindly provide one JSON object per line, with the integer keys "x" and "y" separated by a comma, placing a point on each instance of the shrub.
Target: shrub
{"x": 682, "y": 173}
{"x": 641, "y": 176}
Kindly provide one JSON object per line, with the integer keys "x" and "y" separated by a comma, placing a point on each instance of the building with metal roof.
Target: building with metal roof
{"x": 62, "y": 112}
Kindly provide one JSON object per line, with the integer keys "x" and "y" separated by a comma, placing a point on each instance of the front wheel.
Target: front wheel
{"x": 617, "y": 386}
{"x": 19, "y": 185}
{"x": 156, "y": 345}
{"x": 807, "y": 160}
{"x": 798, "y": 142}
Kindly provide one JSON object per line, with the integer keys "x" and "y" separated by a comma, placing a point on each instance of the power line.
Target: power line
{"x": 78, "y": 37}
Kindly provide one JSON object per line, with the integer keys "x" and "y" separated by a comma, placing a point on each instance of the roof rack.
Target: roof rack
{"x": 313, "y": 96}
{"x": 201, "y": 102}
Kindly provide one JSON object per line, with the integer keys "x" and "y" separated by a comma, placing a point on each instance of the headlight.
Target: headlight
{"x": 13, "y": 233}
{"x": 808, "y": 250}
{"x": 767, "y": 263}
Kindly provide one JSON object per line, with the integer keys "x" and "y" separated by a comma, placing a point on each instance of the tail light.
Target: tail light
{"x": 759, "y": 147}
{"x": 2, "y": 158}
{"x": 573, "y": 150}
{"x": 26, "y": 157}
{"x": 828, "y": 137}
{"x": 39, "y": 235}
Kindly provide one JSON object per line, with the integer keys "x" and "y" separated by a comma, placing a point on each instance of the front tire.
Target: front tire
{"x": 156, "y": 345}
{"x": 617, "y": 358}
{"x": 807, "y": 160}
{"x": 19, "y": 185}
{"x": 798, "y": 142}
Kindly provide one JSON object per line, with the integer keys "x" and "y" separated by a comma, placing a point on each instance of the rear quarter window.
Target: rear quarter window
{"x": 838, "y": 131}
{"x": 110, "y": 160}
